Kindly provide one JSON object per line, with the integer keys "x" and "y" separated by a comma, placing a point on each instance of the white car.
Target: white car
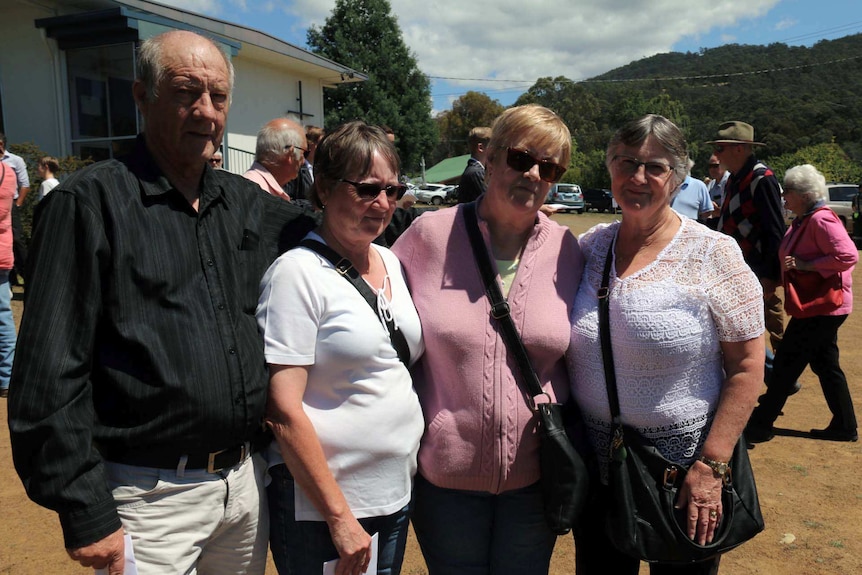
{"x": 432, "y": 193}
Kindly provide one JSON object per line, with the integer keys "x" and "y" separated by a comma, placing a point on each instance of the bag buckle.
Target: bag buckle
{"x": 670, "y": 474}
{"x": 500, "y": 310}
{"x": 343, "y": 266}
{"x": 603, "y": 292}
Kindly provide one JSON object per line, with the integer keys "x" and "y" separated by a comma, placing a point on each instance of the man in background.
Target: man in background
{"x": 692, "y": 198}
{"x": 217, "y": 160}
{"x": 279, "y": 153}
{"x": 299, "y": 188}
{"x": 472, "y": 184}
{"x": 752, "y": 213}
{"x": 718, "y": 180}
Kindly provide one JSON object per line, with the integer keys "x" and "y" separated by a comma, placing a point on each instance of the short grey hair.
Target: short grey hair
{"x": 273, "y": 142}
{"x": 808, "y": 182}
{"x": 150, "y": 70}
{"x": 666, "y": 133}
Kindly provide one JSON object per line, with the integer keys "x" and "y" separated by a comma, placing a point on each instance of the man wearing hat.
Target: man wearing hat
{"x": 752, "y": 213}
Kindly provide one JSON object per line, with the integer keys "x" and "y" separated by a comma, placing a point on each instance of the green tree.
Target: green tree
{"x": 578, "y": 108}
{"x": 364, "y": 35}
{"x": 830, "y": 159}
{"x": 469, "y": 111}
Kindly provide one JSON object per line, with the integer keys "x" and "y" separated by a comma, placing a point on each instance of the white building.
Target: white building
{"x": 67, "y": 66}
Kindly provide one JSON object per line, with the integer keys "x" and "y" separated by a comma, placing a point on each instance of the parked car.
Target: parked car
{"x": 569, "y": 196}
{"x": 598, "y": 199}
{"x": 841, "y": 198}
{"x": 434, "y": 194}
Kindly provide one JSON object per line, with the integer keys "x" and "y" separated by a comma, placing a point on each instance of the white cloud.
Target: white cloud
{"x": 527, "y": 39}
{"x": 785, "y": 24}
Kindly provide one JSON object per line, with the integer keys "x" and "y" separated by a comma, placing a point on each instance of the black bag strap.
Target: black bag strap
{"x": 346, "y": 270}
{"x": 605, "y": 337}
{"x": 499, "y": 306}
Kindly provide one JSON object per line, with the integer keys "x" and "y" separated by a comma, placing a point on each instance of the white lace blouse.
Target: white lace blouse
{"x": 667, "y": 321}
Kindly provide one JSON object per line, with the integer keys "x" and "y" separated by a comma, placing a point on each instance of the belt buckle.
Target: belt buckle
{"x": 211, "y": 468}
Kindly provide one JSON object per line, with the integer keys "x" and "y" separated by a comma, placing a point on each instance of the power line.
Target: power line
{"x": 658, "y": 79}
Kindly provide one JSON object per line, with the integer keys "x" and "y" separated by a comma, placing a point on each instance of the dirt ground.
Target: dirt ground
{"x": 810, "y": 491}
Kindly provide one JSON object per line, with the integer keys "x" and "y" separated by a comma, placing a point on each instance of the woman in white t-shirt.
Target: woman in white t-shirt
{"x": 47, "y": 167}
{"x": 341, "y": 401}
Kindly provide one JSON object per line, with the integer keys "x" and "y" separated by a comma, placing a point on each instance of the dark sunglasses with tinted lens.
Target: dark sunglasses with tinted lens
{"x": 522, "y": 161}
{"x": 369, "y": 192}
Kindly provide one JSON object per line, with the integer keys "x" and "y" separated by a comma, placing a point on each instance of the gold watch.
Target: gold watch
{"x": 720, "y": 468}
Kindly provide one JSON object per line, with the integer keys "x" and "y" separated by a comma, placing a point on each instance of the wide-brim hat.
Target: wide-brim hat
{"x": 735, "y": 132}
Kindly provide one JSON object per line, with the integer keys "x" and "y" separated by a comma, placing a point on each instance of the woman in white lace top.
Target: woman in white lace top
{"x": 686, "y": 322}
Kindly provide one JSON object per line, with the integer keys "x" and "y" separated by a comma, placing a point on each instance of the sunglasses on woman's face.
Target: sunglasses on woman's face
{"x": 522, "y": 161}
{"x": 369, "y": 192}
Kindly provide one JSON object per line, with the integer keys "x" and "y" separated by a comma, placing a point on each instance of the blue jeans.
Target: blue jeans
{"x": 302, "y": 547}
{"x": 7, "y": 330}
{"x": 479, "y": 533}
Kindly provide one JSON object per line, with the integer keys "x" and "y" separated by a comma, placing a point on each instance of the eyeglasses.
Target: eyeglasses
{"x": 369, "y": 192}
{"x": 522, "y": 161}
{"x": 289, "y": 146}
{"x": 629, "y": 166}
{"x": 714, "y": 165}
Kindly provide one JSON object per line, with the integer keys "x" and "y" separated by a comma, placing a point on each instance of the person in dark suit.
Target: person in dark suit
{"x": 473, "y": 179}
{"x": 299, "y": 187}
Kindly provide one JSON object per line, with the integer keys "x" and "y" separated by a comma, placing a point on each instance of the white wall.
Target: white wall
{"x": 272, "y": 93}
{"x": 29, "y": 70}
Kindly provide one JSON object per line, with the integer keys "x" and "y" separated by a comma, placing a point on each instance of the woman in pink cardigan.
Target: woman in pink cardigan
{"x": 478, "y": 507}
{"x": 816, "y": 242}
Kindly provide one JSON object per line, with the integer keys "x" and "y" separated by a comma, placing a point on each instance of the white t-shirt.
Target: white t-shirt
{"x": 667, "y": 322}
{"x": 47, "y": 186}
{"x": 359, "y": 396}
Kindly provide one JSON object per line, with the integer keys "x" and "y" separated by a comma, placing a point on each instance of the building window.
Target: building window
{"x": 104, "y": 119}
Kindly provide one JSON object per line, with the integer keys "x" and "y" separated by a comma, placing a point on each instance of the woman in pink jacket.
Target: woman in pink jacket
{"x": 478, "y": 506}
{"x": 816, "y": 242}
{"x": 8, "y": 187}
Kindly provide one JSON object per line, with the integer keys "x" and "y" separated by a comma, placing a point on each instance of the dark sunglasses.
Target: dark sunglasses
{"x": 215, "y": 160}
{"x": 714, "y": 165}
{"x": 522, "y": 161}
{"x": 369, "y": 192}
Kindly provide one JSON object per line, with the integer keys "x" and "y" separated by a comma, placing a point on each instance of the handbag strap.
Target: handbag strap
{"x": 605, "y": 338}
{"x": 346, "y": 270}
{"x": 499, "y": 306}
{"x": 797, "y": 233}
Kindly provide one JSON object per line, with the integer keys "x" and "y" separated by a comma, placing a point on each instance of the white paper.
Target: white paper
{"x": 329, "y": 566}
{"x": 130, "y": 566}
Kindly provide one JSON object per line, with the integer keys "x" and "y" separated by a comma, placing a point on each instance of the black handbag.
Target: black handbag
{"x": 641, "y": 520}
{"x": 564, "y": 477}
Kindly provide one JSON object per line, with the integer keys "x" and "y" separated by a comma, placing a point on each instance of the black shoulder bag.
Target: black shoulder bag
{"x": 348, "y": 272}
{"x": 564, "y": 479}
{"x": 641, "y": 520}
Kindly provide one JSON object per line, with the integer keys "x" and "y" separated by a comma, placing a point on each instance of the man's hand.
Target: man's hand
{"x": 107, "y": 553}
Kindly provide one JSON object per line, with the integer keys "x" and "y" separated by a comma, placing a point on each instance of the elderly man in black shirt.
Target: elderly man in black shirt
{"x": 138, "y": 394}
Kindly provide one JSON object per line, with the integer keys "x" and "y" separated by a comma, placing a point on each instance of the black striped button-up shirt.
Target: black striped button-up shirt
{"x": 139, "y": 332}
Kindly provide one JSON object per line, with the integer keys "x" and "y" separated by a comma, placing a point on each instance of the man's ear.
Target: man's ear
{"x": 139, "y": 93}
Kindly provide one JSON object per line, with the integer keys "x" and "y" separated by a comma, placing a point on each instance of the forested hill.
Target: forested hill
{"x": 796, "y": 97}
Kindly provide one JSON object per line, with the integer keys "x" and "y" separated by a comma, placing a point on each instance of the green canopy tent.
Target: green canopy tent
{"x": 448, "y": 171}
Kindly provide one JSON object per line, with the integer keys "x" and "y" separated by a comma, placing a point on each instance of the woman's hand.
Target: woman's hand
{"x": 700, "y": 496}
{"x": 353, "y": 545}
{"x": 794, "y": 263}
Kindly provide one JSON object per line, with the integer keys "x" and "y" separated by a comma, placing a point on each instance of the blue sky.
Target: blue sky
{"x": 501, "y": 47}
